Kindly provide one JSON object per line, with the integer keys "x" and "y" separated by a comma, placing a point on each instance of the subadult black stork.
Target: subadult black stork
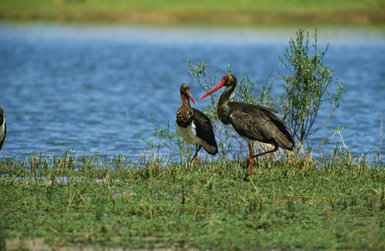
{"x": 252, "y": 122}
{"x": 194, "y": 126}
{"x": 3, "y": 128}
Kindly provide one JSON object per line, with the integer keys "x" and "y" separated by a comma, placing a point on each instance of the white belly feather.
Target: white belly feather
{"x": 189, "y": 134}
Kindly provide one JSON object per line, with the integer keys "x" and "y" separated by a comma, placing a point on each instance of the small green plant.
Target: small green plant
{"x": 168, "y": 138}
{"x": 306, "y": 86}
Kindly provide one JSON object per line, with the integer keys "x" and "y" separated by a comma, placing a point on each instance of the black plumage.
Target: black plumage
{"x": 204, "y": 130}
{"x": 194, "y": 126}
{"x": 258, "y": 123}
{"x": 252, "y": 122}
{"x": 3, "y": 128}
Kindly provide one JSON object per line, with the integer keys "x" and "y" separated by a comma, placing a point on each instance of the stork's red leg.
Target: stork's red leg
{"x": 250, "y": 161}
{"x": 271, "y": 151}
{"x": 196, "y": 153}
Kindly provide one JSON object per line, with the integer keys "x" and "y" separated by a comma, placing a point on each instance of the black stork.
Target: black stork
{"x": 252, "y": 122}
{"x": 194, "y": 126}
{"x": 3, "y": 128}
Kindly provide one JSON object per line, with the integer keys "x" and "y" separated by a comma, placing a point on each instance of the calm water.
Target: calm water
{"x": 92, "y": 89}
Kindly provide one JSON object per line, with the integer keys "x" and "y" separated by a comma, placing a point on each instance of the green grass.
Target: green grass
{"x": 227, "y": 12}
{"x": 292, "y": 202}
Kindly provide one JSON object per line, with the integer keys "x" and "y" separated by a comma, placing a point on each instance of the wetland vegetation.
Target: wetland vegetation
{"x": 229, "y": 12}
{"x": 295, "y": 201}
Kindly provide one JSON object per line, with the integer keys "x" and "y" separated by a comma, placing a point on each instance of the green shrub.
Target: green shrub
{"x": 307, "y": 86}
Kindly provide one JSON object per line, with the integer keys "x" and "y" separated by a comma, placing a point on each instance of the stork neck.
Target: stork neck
{"x": 185, "y": 113}
{"x": 223, "y": 107}
{"x": 224, "y": 99}
{"x": 185, "y": 100}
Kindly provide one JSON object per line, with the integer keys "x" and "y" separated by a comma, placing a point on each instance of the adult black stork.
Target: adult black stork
{"x": 194, "y": 126}
{"x": 252, "y": 122}
{"x": 3, "y": 128}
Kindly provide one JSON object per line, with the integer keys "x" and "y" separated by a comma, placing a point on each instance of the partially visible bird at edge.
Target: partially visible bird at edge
{"x": 3, "y": 128}
{"x": 194, "y": 126}
{"x": 252, "y": 122}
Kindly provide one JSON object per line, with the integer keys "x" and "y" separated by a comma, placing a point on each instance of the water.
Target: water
{"x": 92, "y": 88}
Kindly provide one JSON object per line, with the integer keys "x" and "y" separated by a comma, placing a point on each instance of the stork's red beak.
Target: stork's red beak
{"x": 216, "y": 88}
{"x": 190, "y": 96}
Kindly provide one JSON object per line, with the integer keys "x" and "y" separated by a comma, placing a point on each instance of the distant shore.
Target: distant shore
{"x": 189, "y": 12}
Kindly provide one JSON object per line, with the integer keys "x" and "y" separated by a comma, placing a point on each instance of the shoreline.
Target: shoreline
{"x": 230, "y": 13}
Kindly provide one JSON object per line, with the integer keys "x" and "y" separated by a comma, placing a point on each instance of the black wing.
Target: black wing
{"x": 204, "y": 128}
{"x": 5, "y": 133}
{"x": 259, "y": 123}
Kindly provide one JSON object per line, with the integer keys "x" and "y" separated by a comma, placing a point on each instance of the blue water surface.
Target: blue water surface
{"x": 92, "y": 89}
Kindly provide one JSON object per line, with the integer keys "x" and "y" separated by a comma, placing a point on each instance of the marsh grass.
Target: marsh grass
{"x": 291, "y": 202}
